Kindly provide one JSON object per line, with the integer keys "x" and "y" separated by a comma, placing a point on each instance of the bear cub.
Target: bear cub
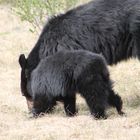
{"x": 60, "y": 76}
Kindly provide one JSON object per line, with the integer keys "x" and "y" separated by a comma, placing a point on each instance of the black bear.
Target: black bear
{"x": 109, "y": 27}
{"x": 60, "y": 76}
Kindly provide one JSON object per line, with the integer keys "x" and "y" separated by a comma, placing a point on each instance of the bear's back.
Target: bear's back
{"x": 69, "y": 61}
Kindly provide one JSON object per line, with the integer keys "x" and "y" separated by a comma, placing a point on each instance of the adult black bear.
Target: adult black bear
{"x": 109, "y": 27}
{"x": 60, "y": 76}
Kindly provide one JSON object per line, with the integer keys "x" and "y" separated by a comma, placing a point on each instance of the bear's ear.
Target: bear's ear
{"x": 22, "y": 61}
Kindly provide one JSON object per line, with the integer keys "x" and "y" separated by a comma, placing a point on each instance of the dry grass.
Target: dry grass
{"x": 15, "y": 123}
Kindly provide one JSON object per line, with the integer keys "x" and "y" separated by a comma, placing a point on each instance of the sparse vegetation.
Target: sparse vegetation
{"x": 11, "y": 2}
{"x": 15, "y": 123}
{"x": 37, "y": 11}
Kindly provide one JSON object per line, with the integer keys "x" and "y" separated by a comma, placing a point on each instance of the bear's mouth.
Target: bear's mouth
{"x": 29, "y": 103}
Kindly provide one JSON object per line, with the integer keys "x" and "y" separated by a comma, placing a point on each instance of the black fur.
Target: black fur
{"x": 23, "y": 84}
{"x": 60, "y": 76}
{"x": 109, "y": 27}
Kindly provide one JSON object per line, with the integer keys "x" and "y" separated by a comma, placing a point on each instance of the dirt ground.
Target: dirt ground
{"x": 15, "y": 123}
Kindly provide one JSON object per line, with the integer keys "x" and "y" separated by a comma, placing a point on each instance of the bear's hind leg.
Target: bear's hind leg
{"x": 115, "y": 101}
{"x": 96, "y": 105}
{"x": 70, "y": 105}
